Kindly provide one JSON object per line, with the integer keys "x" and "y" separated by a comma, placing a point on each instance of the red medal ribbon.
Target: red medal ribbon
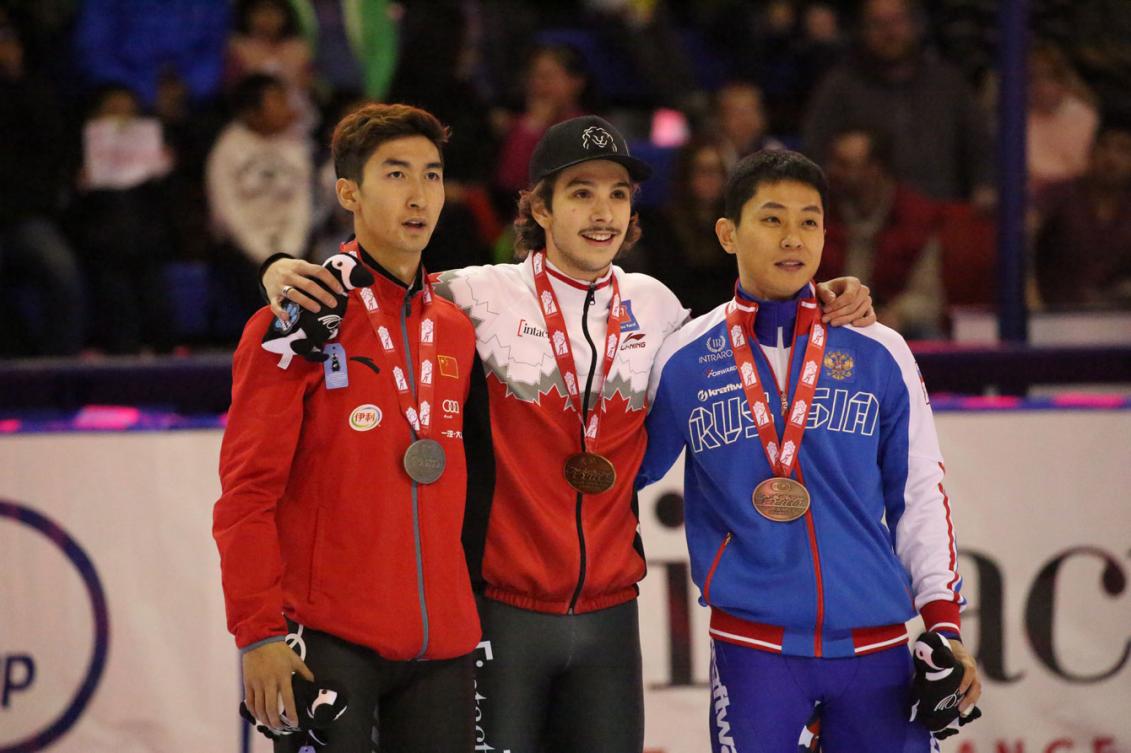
{"x": 740, "y": 313}
{"x": 563, "y": 351}
{"x": 418, "y": 413}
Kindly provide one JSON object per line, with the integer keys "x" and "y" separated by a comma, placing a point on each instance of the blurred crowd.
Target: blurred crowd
{"x": 155, "y": 152}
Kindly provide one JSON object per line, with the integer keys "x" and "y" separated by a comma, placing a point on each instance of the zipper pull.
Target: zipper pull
{"x": 784, "y": 405}
{"x": 590, "y": 296}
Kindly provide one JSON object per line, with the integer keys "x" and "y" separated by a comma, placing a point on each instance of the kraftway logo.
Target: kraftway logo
{"x": 705, "y": 395}
{"x": 47, "y": 677}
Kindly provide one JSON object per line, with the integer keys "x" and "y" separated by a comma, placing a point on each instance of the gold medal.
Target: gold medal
{"x": 781, "y": 499}
{"x": 590, "y": 473}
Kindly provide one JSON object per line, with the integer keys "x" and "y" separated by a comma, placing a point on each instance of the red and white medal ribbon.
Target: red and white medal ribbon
{"x": 563, "y": 351}
{"x": 741, "y": 314}
{"x": 418, "y": 413}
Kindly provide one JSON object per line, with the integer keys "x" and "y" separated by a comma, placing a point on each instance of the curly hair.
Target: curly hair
{"x": 530, "y": 236}
{"x": 361, "y": 132}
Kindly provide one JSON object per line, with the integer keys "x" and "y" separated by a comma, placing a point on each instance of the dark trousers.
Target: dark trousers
{"x": 394, "y": 706}
{"x": 560, "y": 683}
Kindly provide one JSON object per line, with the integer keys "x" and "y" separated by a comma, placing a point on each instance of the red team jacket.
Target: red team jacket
{"x": 318, "y": 519}
{"x": 548, "y": 548}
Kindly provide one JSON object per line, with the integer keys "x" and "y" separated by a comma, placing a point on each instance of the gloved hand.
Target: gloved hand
{"x": 319, "y": 706}
{"x": 938, "y": 673}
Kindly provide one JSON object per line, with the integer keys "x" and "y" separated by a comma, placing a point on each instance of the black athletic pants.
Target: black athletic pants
{"x": 394, "y": 706}
{"x": 559, "y": 683}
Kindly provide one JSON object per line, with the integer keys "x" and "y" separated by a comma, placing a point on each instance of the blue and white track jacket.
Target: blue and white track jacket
{"x": 878, "y": 542}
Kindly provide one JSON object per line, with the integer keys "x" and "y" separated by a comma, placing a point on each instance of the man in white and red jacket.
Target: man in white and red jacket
{"x": 344, "y": 482}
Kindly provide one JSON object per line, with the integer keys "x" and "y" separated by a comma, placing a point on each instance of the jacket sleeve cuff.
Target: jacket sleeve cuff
{"x": 942, "y": 617}
{"x": 263, "y": 270}
{"x": 264, "y": 642}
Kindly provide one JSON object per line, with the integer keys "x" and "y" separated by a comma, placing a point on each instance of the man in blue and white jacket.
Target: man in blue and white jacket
{"x": 816, "y": 518}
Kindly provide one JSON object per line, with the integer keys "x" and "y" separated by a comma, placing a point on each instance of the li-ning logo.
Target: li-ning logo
{"x": 705, "y": 395}
{"x": 598, "y": 137}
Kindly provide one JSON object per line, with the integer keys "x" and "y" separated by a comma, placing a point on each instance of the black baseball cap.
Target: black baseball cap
{"x": 578, "y": 140}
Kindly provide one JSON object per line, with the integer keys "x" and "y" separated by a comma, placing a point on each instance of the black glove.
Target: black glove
{"x": 306, "y": 333}
{"x": 935, "y": 688}
{"x": 318, "y": 705}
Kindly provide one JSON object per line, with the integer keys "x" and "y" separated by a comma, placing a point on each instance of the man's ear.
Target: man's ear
{"x": 347, "y": 191}
{"x": 725, "y": 230}
{"x": 541, "y": 213}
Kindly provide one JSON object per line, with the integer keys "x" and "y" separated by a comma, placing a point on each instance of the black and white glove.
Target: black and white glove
{"x": 935, "y": 687}
{"x": 319, "y": 706}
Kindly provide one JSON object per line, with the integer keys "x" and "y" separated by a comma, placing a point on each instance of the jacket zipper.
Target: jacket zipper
{"x": 590, "y": 297}
{"x": 405, "y": 312}
{"x": 715, "y": 566}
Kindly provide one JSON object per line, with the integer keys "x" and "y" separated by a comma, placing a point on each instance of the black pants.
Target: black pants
{"x": 394, "y": 706}
{"x": 560, "y": 683}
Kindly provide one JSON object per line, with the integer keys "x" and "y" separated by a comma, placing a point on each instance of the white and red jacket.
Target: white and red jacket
{"x": 318, "y": 520}
{"x": 548, "y": 548}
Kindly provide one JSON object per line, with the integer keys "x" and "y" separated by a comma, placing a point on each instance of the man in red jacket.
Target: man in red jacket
{"x": 338, "y": 537}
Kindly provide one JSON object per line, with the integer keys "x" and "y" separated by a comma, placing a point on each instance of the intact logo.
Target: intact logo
{"x": 526, "y": 328}
{"x": 840, "y": 365}
{"x": 627, "y": 319}
{"x": 365, "y": 417}
{"x": 705, "y": 395}
{"x": 598, "y": 137}
{"x": 634, "y": 341}
{"x": 47, "y": 677}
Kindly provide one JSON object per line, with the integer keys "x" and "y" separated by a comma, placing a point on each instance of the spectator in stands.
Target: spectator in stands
{"x": 33, "y": 252}
{"x": 941, "y": 142}
{"x": 267, "y": 41}
{"x": 435, "y": 74}
{"x": 741, "y": 121}
{"x": 679, "y": 242}
{"x": 122, "y": 233}
{"x": 259, "y": 183}
{"x": 884, "y": 232}
{"x": 117, "y": 42}
{"x": 555, "y": 90}
{"x": 1083, "y": 245}
{"x": 1062, "y": 119}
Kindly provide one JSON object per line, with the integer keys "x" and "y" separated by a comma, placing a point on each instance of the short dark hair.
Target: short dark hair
{"x": 530, "y": 236}
{"x": 247, "y": 96}
{"x": 881, "y": 146}
{"x": 362, "y": 131}
{"x": 770, "y": 166}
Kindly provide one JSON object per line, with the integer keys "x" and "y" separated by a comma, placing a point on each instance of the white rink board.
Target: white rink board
{"x": 1041, "y": 504}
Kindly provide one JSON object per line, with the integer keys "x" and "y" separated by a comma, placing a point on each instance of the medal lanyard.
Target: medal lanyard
{"x": 741, "y": 312}
{"x": 418, "y": 413}
{"x": 563, "y": 351}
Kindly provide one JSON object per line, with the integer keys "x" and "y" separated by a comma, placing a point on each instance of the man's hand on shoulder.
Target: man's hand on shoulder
{"x": 296, "y": 278}
{"x": 267, "y": 672}
{"x": 846, "y": 300}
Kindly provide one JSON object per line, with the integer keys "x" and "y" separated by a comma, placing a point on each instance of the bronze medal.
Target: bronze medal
{"x": 424, "y": 461}
{"x": 590, "y": 473}
{"x": 781, "y": 499}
